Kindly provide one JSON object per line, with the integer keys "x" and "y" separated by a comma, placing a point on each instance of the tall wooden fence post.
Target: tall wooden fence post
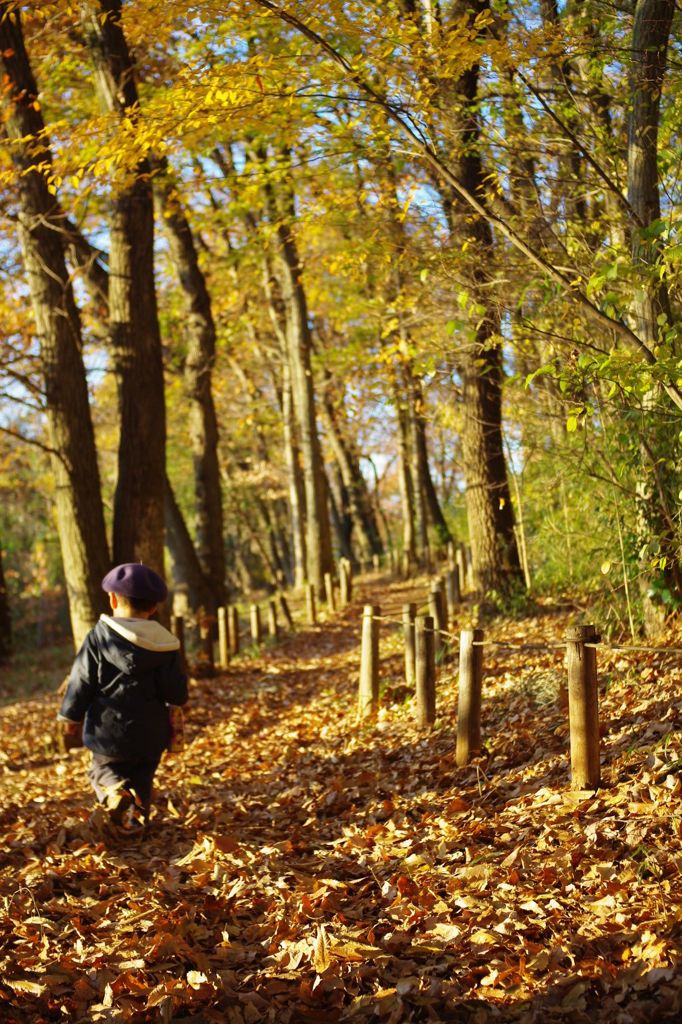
{"x": 233, "y": 627}
{"x": 409, "y": 615}
{"x": 368, "y": 690}
{"x": 425, "y": 669}
{"x": 583, "y": 706}
{"x": 311, "y": 609}
{"x": 469, "y": 701}
{"x": 223, "y": 640}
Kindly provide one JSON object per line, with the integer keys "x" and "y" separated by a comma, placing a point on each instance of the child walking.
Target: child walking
{"x": 124, "y": 676}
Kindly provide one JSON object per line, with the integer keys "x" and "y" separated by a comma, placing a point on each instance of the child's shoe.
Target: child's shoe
{"x": 118, "y": 802}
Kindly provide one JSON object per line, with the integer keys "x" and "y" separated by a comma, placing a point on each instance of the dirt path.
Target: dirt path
{"x": 303, "y": 869}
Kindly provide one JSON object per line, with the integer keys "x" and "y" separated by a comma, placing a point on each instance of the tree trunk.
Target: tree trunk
{"x": 405, "y": 483}
{"x": 431, "y": 498}
{"x": 650, "y": 310}
{"x": 199, "y": 363}
{"x": 299, "y": 347}
{"x": 362, "y": 515}
{"x": 292, "y": 458}
{"x": 135, "y": 335}
{"x": 80, "y": 519}
{"x": 495, "y": 557}
{"x": 187, "y": 571}
{"x": 5, "y": 618}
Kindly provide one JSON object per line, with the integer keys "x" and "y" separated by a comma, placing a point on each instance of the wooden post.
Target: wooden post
{"x": 469, "y": 703}
{"x": 311, "y": 610}
{"x": 453, "y": 590}
{"x": 469, "y": 561}
{"x": 256, "y": 634}
{"x": 207, "y": 645}
{"x": 425, "y": 669}
{"x": 437, "y": 613}
{"x": 583, "y": 706}
{"x": 409, "y": 614}
{"x": 344, "y": 585}
{"x": 368, "y": 690}
{"x": 286, "y": 613}
{"x": 460, "y": 560}
{"x": 445, "y": 609}
{"x": 273, "y": 629}
{"x": 329, "y": 591}
{"x": 223, "y": 641}
{"x": 233, "y": 628}
{"x": 376, "y": 563}
{"x": 179, "y": 632}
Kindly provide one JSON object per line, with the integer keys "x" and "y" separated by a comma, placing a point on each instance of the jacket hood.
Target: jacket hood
{"x": 144, "y": 633}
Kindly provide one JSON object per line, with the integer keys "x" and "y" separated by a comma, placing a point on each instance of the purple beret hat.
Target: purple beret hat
{"x": 136, "y": 581}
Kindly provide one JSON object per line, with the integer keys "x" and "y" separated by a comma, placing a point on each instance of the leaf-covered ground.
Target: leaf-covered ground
{"x": 301, "y": 868}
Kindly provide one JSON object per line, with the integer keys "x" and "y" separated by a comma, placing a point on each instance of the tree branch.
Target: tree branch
{"x": 429, "y": 154}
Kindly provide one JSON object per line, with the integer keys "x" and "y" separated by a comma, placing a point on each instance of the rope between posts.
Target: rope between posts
{"x": 523, "y": 646}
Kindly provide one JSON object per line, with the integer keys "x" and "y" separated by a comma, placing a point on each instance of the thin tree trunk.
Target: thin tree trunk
{"x": 198, "y": 370}
{"x": 80, "y": 519}
{"x": 299, "y": 348}
{"x": 187, "y": 571}
{"x": 405, "y": 484}
{"x": 5, "y": 617}
{"x": 359, "y": 501}
{"x": 135, "y": 336}
{"x": 431, "y": 498}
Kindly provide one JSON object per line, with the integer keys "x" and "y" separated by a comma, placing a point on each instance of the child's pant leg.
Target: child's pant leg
{"x": 108, "y": 772}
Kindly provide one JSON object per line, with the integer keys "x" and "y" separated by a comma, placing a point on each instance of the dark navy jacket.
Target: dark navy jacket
{"x": 123, "y": 677}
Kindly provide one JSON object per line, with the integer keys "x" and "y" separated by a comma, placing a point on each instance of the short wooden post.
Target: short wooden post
{"x": 368, "y": 690}
{"x": 469, "y": 702}
{"x": 344, "y": 585}
{"x": 286, "y": 612}
{"x": 437, "y": 612}
{"x": 179, "y": 631}
{"x": 311, "y": 610}
{"x": 206, "y": 638}
{"x": 425, "y": 670}
{"x": 460, "y": 558}
{"x": 409, "y": 615}
{"x": 583, "y": 706}
{"x": 273, "y": 629}
{"x": 376, "y": 563}
{"x": 453, "y": 590}
{"x": 223, "y": 640}
{"x": 233, "y": 628}
{"x": 469, "y": 561}
{"x": 329, "y": 591}
{"x": 256, "y": 633}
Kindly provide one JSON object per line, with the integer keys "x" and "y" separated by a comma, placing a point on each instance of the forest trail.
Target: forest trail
{"x": 303, "y": 868}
